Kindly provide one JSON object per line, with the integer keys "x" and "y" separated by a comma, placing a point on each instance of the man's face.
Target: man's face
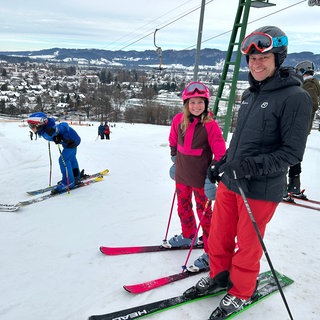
{"x": 262, "y": 66}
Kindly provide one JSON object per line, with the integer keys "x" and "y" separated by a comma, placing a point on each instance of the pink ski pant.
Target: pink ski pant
{"x": 186, "y": 214}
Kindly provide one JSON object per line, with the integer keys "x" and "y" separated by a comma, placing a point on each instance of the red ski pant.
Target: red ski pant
{"x": 186, "y": 214}
{"x": 231, "y": 223}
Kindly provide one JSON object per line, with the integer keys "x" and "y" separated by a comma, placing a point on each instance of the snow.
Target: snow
{"x": 51, "y": 266}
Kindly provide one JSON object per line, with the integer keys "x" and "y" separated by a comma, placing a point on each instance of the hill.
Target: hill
{"x": 210, "y": 58}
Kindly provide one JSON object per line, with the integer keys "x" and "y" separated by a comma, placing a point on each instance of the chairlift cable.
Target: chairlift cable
{"x": 164, "y": 26}
{"x": 148, "y": 23}
{"x": 268, "y": 15}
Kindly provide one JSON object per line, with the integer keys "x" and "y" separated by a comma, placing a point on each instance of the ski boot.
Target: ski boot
{"x": 61, "y": 187}
{"x": 228, "y": 305}
{"x": 200, "y": 264}
{"x": 179, "y": 241}
{"x": 208, "y": 285}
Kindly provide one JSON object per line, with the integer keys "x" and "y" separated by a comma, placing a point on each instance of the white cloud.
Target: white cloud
{"x": 131, "y": 24}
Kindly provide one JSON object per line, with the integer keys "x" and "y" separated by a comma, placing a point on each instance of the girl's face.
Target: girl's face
{"x": 196, "y": 106}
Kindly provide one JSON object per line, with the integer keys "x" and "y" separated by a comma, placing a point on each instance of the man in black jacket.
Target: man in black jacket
{"x": 270, "y": 135}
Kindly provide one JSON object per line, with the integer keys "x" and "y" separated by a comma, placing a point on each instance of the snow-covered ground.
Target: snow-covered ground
{"x": 51, "y": 267}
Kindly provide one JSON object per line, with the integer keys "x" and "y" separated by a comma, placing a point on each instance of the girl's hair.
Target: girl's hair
{"x": 204, "y": 118}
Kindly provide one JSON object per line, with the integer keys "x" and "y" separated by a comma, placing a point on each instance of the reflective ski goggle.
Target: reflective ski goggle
{"x": 191, "y": 88}
{"x": 34, "y": 126}
{"x": 262, "y": 42}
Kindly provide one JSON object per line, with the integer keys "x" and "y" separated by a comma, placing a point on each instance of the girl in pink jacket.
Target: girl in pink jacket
{"x": 196, "y": 142}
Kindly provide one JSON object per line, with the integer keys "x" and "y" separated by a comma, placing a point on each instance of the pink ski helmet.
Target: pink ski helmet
{"x": 195, "y": 90}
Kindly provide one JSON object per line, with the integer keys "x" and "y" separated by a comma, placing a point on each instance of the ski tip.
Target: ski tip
{"x": 128, "y": 289}
{"x": 102, "y": 249}
{"x": 104, "y": 172}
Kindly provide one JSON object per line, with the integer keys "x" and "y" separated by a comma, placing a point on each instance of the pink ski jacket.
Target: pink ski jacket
{"x": 202, "y": 143}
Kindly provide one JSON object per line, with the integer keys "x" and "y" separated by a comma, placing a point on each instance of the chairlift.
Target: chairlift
{"x": 312, "y": 3}
{"x": 159, "y": 50}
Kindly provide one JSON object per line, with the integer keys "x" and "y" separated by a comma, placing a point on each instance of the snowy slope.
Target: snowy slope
{"x": 51, "y": 267}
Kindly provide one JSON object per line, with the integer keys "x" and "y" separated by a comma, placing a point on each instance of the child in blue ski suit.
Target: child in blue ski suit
{"x": 62, "y": 134}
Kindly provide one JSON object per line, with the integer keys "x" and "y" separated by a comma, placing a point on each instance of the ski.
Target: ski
{"x": 15, "y": 207}
{"x": 150, "y": 308}
{"x": 153, "y": 284}
{"x": 302, "y": 205}
{"x": 267, "y": 286}
{"x": 86, "y": 177}
{"x": 307, "y": 200}
{"x": 112, "y": 251}
{"x": 8, "y": 207}
{"x": 303, "y": 198}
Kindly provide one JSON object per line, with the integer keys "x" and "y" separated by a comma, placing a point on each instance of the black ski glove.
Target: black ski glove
{"x": 214, "y": 170}
{"x": 57, "y": 138}
{"x": 243, "y": 169}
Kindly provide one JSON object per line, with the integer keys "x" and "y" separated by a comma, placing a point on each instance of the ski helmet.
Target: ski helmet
{"x": 37, "y": 120}
{"x": 266, "y": 39}
{"x": 195, "y": 90}
{"x": 305, "y": 67}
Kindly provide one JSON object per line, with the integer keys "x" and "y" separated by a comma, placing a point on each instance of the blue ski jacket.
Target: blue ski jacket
{"x": 66, "y": 135}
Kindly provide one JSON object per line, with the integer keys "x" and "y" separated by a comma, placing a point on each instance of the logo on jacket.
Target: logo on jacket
{"x": 264, "y": 105}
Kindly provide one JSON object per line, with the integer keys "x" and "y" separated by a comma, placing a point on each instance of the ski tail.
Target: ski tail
{"x": 8, "y": 207}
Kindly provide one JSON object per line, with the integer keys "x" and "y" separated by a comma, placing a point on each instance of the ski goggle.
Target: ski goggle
{"x": 192, "y": 87}
{"x": 262, "y": 42}
{"x": 35, "y": 126}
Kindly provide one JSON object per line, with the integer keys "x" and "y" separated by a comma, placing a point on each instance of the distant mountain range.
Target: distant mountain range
{"x": 138, "y": 59}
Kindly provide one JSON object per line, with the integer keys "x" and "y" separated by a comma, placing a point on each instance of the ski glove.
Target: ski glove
{"x": 243, "y": 169}
{"x": 57, "y": 138}
{"x": 214, "y": 170}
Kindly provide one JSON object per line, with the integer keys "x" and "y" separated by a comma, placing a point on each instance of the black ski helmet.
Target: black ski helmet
{"x": 279, "y": 45}
{"x": 305, "y": 67}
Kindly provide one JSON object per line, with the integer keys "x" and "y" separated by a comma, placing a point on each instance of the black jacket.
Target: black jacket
{"x": 272, "y": 127}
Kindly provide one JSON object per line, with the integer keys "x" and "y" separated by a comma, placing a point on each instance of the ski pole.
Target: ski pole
{"x": 170, "y": 215}
{"x": 50, "y": 166}
{"x": 262, "y": 244}
{"x": 184, "y": 267}
{"x": 65, "y": 166}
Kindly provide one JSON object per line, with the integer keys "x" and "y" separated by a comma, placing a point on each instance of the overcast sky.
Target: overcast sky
{"x": 130, "y": 25}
